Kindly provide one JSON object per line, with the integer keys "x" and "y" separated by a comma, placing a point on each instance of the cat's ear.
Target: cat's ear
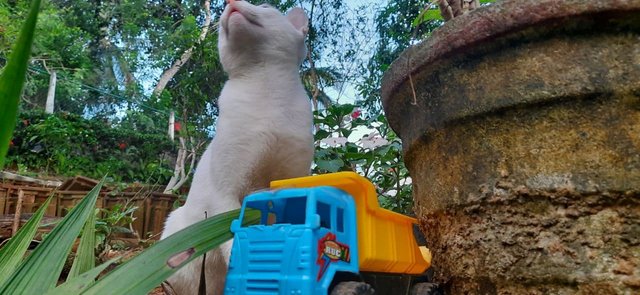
{"x": 299, "y": 19}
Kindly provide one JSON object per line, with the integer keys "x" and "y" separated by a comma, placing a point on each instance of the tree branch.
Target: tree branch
{"x": 177, "y": 65}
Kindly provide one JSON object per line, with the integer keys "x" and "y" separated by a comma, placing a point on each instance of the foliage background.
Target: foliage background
{"x": 109, "y": 54}
{"x": 84, "y": 143}
{"x": 65, "y": 144}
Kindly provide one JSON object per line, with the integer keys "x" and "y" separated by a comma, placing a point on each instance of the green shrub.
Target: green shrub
{"x": 68, "y": 145}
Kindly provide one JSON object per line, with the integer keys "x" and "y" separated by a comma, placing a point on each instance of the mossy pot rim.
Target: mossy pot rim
{"x": 484, "y": 25}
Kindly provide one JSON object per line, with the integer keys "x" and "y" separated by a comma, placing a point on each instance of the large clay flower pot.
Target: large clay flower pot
{"x": 521, "y": 129}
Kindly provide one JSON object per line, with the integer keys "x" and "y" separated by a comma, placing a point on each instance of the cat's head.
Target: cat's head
{"x": 251, "y": 35}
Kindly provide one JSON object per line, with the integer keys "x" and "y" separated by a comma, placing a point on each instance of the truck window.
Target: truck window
{"x": 324, "y": 210}
{"x": 340, "y": 220}
{"x": 293, "y": 211}
{"x": 280, "y": 211}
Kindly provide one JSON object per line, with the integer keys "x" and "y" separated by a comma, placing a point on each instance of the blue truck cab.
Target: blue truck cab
{"x": 304, "y": 237}
{"x": 325, "y": 234}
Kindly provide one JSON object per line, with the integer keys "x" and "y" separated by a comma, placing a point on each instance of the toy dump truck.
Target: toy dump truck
{"x": 325, "y": 234}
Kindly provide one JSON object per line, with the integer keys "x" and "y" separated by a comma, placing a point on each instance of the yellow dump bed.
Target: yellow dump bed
{"x": 385, "y": 238}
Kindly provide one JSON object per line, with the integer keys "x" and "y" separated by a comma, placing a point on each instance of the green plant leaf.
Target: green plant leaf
{"x": 433, "y": 14}
{"x": 321, "y": 134}
{"x": 13, "y": 252}
{"x": 40, "y": 271}
{"x": 151, "y": 267}
{"x": 330, "y": 165}
{"x": 427, "y": 15}
{"x": 85, "y": 257}
{"x": 79, "y": 283}
{"x": 12, "y": 80}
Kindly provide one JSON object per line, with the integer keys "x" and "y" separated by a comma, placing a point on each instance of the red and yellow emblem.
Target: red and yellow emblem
{"x": 330, "y": 250}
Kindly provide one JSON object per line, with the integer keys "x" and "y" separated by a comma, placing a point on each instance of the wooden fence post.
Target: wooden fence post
{"x": 16, "y": 216}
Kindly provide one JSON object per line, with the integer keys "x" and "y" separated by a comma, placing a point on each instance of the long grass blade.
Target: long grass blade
{"x": 12, "y": 80}
{"x": 85, "y": 257}
{"x": 40, "y": 271}
{"x": 161, "y": 260}
{"x": 13, "y": 252}
{"x": 79, "y": 283}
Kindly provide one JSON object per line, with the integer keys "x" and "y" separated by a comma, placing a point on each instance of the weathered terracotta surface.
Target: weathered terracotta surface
{"x": 523, "y": 141}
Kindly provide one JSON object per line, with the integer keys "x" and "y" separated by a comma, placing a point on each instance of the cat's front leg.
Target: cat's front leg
{"x": 225, "y": 249}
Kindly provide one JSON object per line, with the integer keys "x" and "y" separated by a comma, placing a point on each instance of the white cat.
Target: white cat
{"x": 264, "y": 129}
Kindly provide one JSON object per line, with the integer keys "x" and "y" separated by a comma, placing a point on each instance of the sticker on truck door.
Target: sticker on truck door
{"x": 330, "y": 250}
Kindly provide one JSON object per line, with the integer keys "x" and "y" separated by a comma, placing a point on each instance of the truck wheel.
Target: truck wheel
{"x": 426, "y": 289}
{"x": 353, "y": 288}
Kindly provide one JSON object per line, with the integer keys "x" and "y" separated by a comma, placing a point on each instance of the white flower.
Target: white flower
{"x": 373, "y": 140}
{"x": 334, "y": 141}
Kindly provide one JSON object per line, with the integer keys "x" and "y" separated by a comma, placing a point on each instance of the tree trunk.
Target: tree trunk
{"x": 177, "y": 65}
{"x": 180, "y": 174}
{"x": 178, "y": 170}
{"x": 172, "y": 122}
{"x": 314, "y": 80}
{"x": 51, "y": 95}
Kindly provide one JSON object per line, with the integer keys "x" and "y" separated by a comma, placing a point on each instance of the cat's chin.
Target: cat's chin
{"x": 238, "y": 21}
{"x": 236, "y": 18}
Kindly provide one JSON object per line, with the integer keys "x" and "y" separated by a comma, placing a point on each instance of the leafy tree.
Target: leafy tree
{"x": 396, "y": 32}
{"x": 399, "y": 25}
{"x": 109, "y": 55}
{"x": 57, "y": 47}
{"x": 376, "y": 155}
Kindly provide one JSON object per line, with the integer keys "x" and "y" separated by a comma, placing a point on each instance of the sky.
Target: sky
{"x": 344, "y": 92}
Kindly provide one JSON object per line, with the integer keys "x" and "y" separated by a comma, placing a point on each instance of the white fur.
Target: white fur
{"x": 263, "y": 130}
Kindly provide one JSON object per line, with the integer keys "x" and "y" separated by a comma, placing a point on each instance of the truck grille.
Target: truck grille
{"x": 265, "y": 261}
{"x": 262, "y": 287}
{"x": 266, "y": 256}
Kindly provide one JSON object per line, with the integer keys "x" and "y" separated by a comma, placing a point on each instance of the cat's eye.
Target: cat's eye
{"x": 265, "y": 5}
